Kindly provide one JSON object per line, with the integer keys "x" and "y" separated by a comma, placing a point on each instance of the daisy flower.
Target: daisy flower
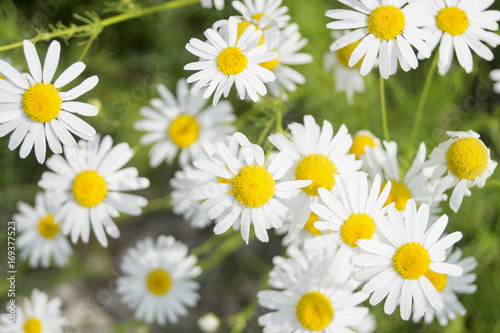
{"x": 448, "y": 287}
{"x": 248, "y": 191}
{"x": 308, "y": 300}
{"x": 87, "y": 186}
{"x": 317, "y": 155}
{"x": 361, "y": 140}
{"x": 41, "y": 238}
{"x": 355, "y": 215}
{"x": 495, "y": 76}
{"x": 182, "y": 124}
{"x": 38, "y": 314}
{"x": 287, "y": 44}
{"x": 228, "y": 60}
{"x": 218, "y": 4}
{"x": 396, "y": 269}
{"x": 388, "y": 29}
{"x": 37, "y": 111}
{"x": 346, "y": 78}
{"x": 466, "y": 161}
{"x": 158, "y": 280}
{"x": 462, "y": 25}
{"x": 260, "y": 9}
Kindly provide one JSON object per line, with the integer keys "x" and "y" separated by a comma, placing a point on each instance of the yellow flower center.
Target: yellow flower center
{"x": 411, "y": 261}
{"x": 242, "y": 26}
{"x": 386, "y": 22}
{"x": 2, "y": 77}
{"x": 41, "y": 102}
{"x": 89, "y": 188}
{"x": 467, "y": 158}
{"x": 309, "y": 226}
{"x": 359, "y": 144}
{"x": 184, "y": 130}
{"x": 318, "y": 168}
{"x": 357, "y": 226}
{"x": 314, "y": 311}
{"x": 452, "y": 20}
{"x": 159, "y": 282}
{"x": 344, "y": 54}
{"x": 47, "y": 227}
{"x": 253, "y": 186}
{"x": 438, "y": 280}
{"x": 232, "y": 61}
{"x": 32, "y": 325}
{"x": 399, "y": 194}
{"x": 271, "y": 64}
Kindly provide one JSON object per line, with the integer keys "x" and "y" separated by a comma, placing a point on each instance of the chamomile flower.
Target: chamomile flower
{"x": 218, "y": 4}
{"x": 462, "y": 25}
{"x": 37, "y": 111}
{"x": 158, "y": 280}
{"x": 41, "y": 238}
{"x": 287, "y": 44}
{"x": 317, "y": 155}
{"x": 355, "y": 215}
{"x": 308, "y": 299}
{"x": 263, "y": 9}
{"x": 346, "y": 78}
{"x": 388, "y": 29}
{"x": 36, "y": 314}
{"x": 250, "y": 192}
{"x": 466, "y": 161}
{"x": 396, "y": 269}
{"x": 87, "y": 186}
{"x": 230, "y": 60}
{"x": 182, "y": 124}
{"x": 361, "y": 140}
{"x": 495, "y": 76}
{"x": 449, "y": 286}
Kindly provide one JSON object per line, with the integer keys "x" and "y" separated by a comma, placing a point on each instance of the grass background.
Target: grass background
{"x": 132, "y": 57}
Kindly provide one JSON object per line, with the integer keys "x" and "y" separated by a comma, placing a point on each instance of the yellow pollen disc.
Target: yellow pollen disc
{"x": 314, "y": 311}
{"x": 309, "y": 226}
{"x": 232, "y": 61}
{"x": 452, "y": 20}
{"x": 386, "y": 22}
{"x": 41, "y": 102}
{"x": 253, "y": 186}
{"x": 2, "y": 77}
{"x": 47, "y": 227}
{"x": 357, "y": 226}
{"x": 411, "y": 261}
{"x": 344, "y": 54}
{"x": 271, "y": 64}
{"x": 399, "y": 194}
{"x": 242, "y": 26}
{"x": 159, "y": 282}
{"x": 359, "y": 143}
{"x": 184, "y": 130}
{"x": 32, "y": 325}
{"x": 89, "y": 188}
{"x": 438, "y": 280}
{"x": 318, "y": 168}
{"x": 467, "y": 158}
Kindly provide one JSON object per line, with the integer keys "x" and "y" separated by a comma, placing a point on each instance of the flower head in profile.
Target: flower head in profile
{"x": 261, "y": 10}
{"x": 41, "y": 238}
{"x": 465, "y": 161}
{"x": 87, "y": 188}
{"x": 182, "y": 124}
{"x": 231, "y": 59}
{"x": 387, "y": 29}
{"x": 158, "y": 281}
{"x": 35, "y": 314}
{"x": 37, "y": 111}
{"x": 396, "y": 269}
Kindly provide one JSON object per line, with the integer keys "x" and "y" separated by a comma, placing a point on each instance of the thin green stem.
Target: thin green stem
{"x": 88, "y": 45}
{"x": 384, "y": 109}
{"x": 228, "y": 246}
{"x": 421, "y": 105}
{"x": 89, "y": 28}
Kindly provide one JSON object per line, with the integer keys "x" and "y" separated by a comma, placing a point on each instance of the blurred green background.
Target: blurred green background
{"x": 132, "y": 57}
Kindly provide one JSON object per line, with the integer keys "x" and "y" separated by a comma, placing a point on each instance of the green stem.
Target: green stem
{"x": 421, "y": 105}
{"x": 228, "y": 246}
{"x": 384, "y": 109}
{"x": 87, "y": 46}
{"x": 104, "y": 23}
